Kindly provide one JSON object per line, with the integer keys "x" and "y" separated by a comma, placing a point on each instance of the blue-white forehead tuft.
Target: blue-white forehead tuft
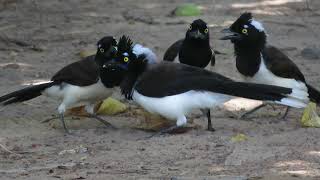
{"x": 257, "y": 25}
{"x": 125, "y": 54}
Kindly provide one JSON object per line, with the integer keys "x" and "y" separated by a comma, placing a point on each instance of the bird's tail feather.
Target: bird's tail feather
{"x": 314, "y": 94}
{"x": 285, "y": 96}
{"x": 25, "y": 93}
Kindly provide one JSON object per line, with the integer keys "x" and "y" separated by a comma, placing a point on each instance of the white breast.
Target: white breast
{"x": 265, "y": 76}
{"x": 175, "y": 106}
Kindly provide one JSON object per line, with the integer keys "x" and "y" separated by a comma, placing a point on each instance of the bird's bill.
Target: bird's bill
{"x": 197, "y": 35}
{"x": 113, "y": 65}
{"x": 231, "y": 35}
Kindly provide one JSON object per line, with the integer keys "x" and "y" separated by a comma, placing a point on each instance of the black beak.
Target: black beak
{"x": 197, "y": 35}
{"x": 110, "y": 65}
{"x": 231, "y": 35}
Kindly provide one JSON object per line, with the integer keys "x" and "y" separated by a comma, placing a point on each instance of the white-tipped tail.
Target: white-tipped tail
{"x": 292, "y": 102}
{"x": 300, "y": 95}
{"x": 298, "y": 99}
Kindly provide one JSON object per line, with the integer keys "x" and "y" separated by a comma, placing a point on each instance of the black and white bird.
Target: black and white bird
{"x": 83, "y": 82}
{"x": 258, "y": 62}
{"x": 172, "y": 90}
{"x": 194, "y": 50}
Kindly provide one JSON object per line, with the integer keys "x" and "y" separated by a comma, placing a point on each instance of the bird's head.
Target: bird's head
{"x": 126, "y": 66}
{"x": 123, "y": 56}
{"x": 198, "y": 30}
{"x": 246, "y": 32}
{"x": 106, "y": 49}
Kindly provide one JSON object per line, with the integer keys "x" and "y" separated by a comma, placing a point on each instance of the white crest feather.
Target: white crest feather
{"x": 138, "y": 49}
{"x": 257, "y": 25}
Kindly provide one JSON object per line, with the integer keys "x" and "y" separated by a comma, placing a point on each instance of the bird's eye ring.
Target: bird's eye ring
{"x": 244, "y": 31}
{"x": 206, "y": 30}
{"x": 101, "y": 50}
{"x": 125, "y": 59}
{"x": 190, "y": 27}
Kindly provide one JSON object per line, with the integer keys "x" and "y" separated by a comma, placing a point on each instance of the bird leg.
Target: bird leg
{"x": 103, "y": 121}
{"x": 64, "y": 123}
{"x": 207, "y": 112}
{"x": 90, "y": 109}
{"x": 252, "y": 111}
{"x": 286, "y": 113}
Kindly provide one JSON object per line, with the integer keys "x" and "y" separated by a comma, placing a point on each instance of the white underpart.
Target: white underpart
{"x": 72, "y": 95}
{"x": 257, "y": 25}
{"x": 138, "y": 49}
{"x": 176, "y": 107}
{"x": 299, "y": 89}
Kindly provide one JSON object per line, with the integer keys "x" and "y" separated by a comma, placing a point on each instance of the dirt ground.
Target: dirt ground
{"x": 40, "y": 37}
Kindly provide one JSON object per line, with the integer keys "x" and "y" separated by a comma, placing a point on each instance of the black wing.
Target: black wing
{"x": 173, "y": 51}
{"x": 81, "y": 73}
{"x": 165, "y": 79}
{"x": 280, "y": 64}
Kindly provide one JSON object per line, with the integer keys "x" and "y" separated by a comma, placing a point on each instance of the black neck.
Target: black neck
{"x": 135, "y": 70}
{"x": 248, "y": 59}
{"x": 197, "y": 42}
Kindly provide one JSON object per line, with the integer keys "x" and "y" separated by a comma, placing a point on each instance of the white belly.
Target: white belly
{"x": 77, "y": 94}
{"x": 175, "y": 106}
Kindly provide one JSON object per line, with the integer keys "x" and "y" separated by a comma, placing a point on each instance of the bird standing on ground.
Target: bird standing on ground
{"x": 261, "y": 63}
{"x": 172, "y": 90}
{"x": 83, "y": 82}
{"x": 194, "y": 50}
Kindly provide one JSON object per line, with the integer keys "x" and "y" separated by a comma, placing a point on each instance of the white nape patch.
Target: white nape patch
{"x": 72, "y": 95}
{"x": 257, "y": 25}
{"x": 125, "y": 54}
{"x": 138, "y": 49}
{"x": 177, "y": 106}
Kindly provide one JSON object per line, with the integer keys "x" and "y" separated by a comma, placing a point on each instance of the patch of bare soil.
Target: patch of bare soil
{"x": 37, "y": 38}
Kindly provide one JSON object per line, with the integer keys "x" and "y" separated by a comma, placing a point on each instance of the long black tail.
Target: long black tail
{"x": 25, "y": 94}
{"x": 314, "y": 94}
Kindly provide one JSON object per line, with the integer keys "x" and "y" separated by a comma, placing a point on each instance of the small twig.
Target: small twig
{"x": 8, "y": 151}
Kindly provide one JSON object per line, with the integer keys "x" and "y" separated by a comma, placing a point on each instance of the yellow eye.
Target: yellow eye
{"x": 206, "y": 30}
{"x": 101, "y": 50}
{"x": 244, "y": 31}
{"x": 190, "y": 27}
{"x": 125, "y": 59}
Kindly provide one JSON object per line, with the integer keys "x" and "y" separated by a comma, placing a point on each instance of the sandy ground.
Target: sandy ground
{"x": 40, "y": 37}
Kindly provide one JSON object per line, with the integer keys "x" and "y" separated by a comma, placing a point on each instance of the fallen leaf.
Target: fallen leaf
{"x": 86, "y": 53}
{"x": 111, "y": 106}
{"x": 310, "y": 117}
{"x": 187, "y": 9}
{"x": 239, "y": 137}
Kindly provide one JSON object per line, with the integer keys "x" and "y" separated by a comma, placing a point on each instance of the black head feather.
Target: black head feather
{"x": 106, "y": 50}
{"x": 247, "y": 32}
{"x": 198, "y": 30}
{"x": 125, "y": 45}
{"x": 136, "y": 67}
